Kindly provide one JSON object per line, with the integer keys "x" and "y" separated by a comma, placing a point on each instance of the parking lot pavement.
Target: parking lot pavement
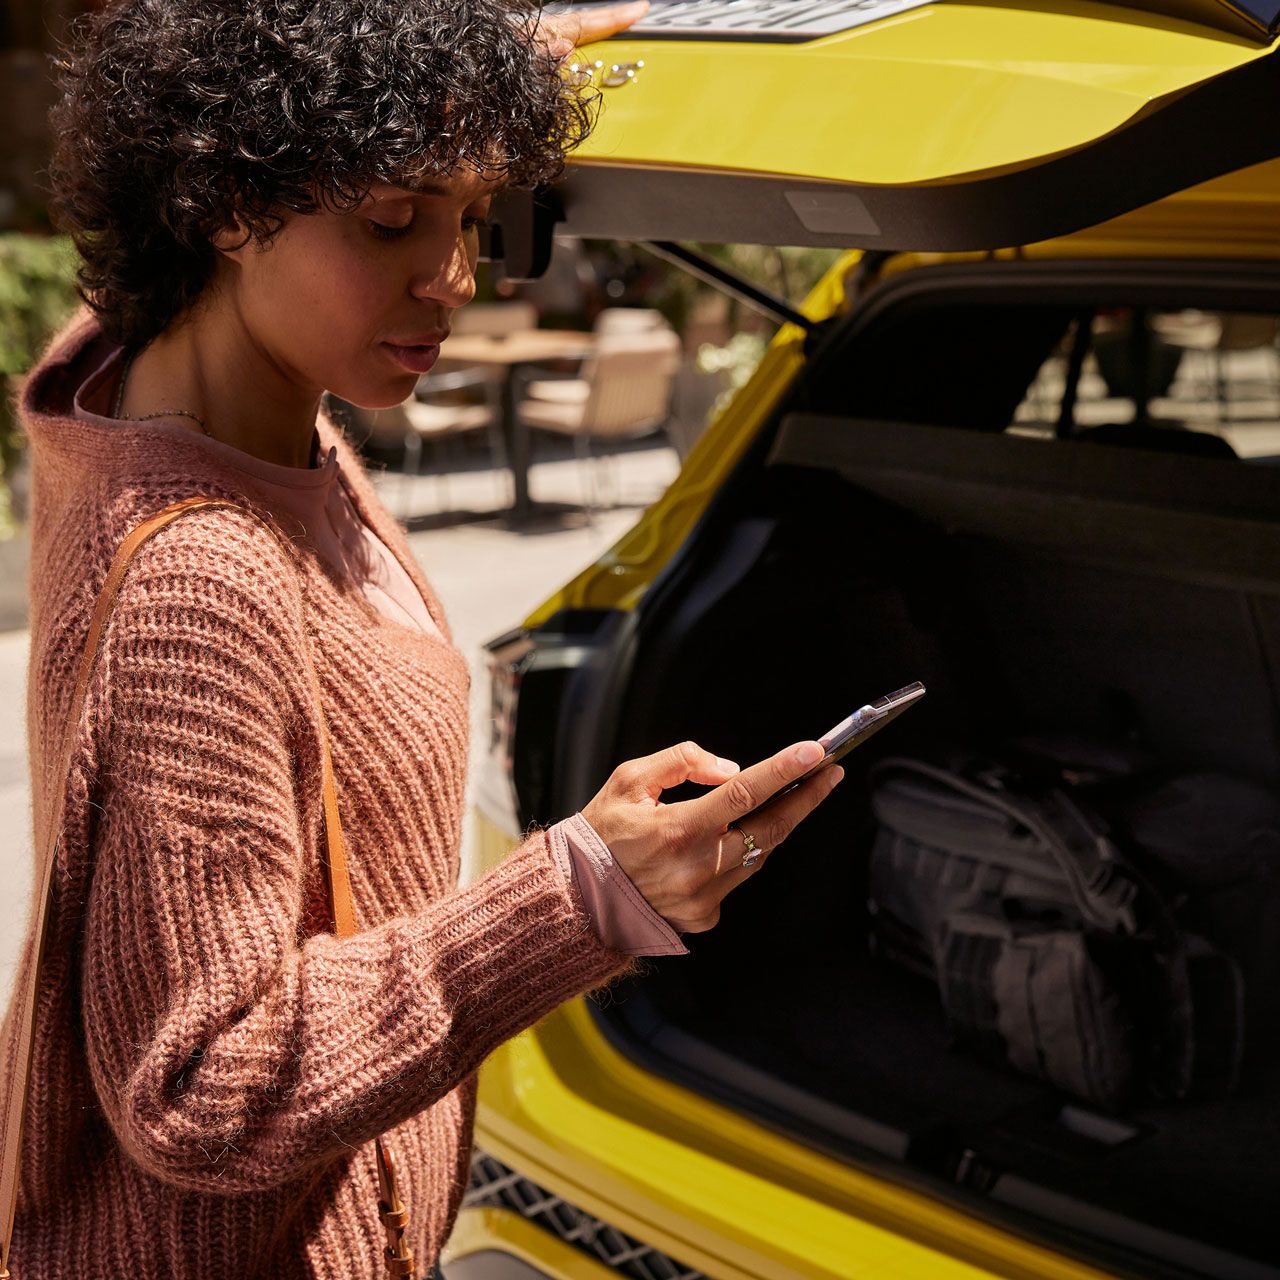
{"x": 488, "y": 577}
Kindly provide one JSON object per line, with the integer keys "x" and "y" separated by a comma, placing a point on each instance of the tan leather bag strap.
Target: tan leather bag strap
{"x": 398, "y": 1256}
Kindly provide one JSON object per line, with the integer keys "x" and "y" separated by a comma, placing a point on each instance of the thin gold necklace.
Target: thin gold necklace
{"x": 117, "y": 409}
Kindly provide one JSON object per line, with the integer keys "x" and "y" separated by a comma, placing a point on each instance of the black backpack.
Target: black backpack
{"x": 1055, "y": 949}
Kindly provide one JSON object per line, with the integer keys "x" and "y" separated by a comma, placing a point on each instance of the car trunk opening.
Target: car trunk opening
{"x": 938, "y": 502}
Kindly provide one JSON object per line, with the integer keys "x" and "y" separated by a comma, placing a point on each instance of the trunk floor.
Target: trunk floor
{"x": 871, "y": 1039}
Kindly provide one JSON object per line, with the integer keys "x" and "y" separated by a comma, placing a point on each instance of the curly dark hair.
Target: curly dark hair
{"x": 177, "y": 115}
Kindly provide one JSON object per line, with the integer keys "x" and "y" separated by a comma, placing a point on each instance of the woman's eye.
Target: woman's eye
{"x": 474, "y": 223}
{"x": 384, "y": 232}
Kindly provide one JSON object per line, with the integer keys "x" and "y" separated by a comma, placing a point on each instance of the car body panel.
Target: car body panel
{"x": 485, "y": 1232}
{"x": 1234, "y": 216}
{"x": 951, "y": 90}
{"x": 707, "y": 1185}
{"x": 948, "y": 127}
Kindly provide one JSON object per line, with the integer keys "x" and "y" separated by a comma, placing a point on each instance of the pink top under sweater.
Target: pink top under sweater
{"x": 210, "y": 1062}
{"x": 317, "y": 503}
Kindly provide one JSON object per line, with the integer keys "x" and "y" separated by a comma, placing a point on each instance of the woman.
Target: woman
{"x": 275, "y": 198}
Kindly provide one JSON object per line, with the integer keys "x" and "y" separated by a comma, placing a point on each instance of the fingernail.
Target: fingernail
{"x": 836, "y": 773}
{"x": 726, "y": 766}
{"x": 808, "y": 753}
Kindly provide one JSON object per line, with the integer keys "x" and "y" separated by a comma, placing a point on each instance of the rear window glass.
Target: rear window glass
{"x": 1187, "y": 381}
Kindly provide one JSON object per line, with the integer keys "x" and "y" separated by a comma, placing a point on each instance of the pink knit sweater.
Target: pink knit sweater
{"x": 210, "y": 1064}
{"x": 317, "y": 501}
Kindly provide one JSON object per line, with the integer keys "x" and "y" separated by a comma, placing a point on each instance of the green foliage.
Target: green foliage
{"x": 734, "y": 363}
{"x": 789, "y": 273}
{"x": 37, "y": 293}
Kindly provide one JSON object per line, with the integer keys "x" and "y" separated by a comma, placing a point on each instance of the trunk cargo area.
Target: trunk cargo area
{"x": 1034, "y": 586}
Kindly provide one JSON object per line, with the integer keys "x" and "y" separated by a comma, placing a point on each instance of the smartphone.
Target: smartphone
{"x": 852, "y": 732}
{"x": 857, "y": 728}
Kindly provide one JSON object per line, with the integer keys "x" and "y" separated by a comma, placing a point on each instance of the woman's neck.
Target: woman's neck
{"x": 210, "y": 366}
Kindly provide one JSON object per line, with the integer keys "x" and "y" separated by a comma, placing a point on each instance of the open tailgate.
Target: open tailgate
{"x": 933, "y": 126}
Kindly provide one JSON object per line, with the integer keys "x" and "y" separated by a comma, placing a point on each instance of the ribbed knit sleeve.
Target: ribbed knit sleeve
{"x": 230, "y": 1045}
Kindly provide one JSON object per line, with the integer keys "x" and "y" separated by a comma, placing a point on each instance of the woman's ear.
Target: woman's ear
{"x": 233, "y": 239}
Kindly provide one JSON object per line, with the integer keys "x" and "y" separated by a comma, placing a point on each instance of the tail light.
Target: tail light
{"x": 545, "y": 754}
{"x": 506, "y": 659}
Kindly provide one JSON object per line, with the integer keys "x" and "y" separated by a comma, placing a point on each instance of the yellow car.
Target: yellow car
{"x": 1018, "y": 444}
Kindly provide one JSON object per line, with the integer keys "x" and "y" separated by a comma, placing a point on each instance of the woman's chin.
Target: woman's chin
{"x": 383, "y": 395}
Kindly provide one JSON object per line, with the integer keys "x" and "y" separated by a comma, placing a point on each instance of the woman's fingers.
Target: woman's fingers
{"x": 680, "y": 856}
{"x": 597, "y": 24}
{"x": 562, "y": 33}
{"x": 750, "y": 788}
{"x": 685, "y": 762}
{"x": 773, "y": 825}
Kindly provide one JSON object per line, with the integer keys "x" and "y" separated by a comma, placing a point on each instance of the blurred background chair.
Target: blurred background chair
{"x": 624, "y": 392}
{"x": 1216, "y": 337}
{"x": 614, "y": 326}
{"x": 613, "y": 321}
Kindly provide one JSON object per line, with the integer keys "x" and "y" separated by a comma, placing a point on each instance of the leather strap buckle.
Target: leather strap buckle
{"x": 398, "y": 1266}
{"x": 397, "y": 1257}
{"x": 394, "y": 1219}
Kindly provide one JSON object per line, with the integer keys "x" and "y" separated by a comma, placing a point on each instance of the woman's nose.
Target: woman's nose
{"x": 452, "y": 283}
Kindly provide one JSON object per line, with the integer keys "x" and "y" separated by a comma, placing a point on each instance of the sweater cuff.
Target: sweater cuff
{"x": 621, "y": 916}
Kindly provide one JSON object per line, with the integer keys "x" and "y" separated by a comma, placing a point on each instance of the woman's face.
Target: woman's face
{"x": 358, "y": 303}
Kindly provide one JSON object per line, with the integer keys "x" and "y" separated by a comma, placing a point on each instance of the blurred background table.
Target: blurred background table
{"x": 511, "y": 353}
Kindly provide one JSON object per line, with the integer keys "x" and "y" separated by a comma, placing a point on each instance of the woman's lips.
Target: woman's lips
{"x": 415, "y": 359}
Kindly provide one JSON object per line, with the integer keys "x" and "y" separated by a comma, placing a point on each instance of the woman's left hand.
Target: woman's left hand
{"x": 562, "y": 33}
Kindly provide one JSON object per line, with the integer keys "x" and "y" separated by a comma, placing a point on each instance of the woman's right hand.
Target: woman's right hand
{"x": 682, "y": 857}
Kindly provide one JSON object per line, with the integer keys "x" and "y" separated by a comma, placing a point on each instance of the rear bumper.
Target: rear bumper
{"x": 496, "y": 1244}
{"x": 513, "y": 1229}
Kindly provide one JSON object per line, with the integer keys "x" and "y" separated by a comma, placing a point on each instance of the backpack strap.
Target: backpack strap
{"x": 1096, "y": 872}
